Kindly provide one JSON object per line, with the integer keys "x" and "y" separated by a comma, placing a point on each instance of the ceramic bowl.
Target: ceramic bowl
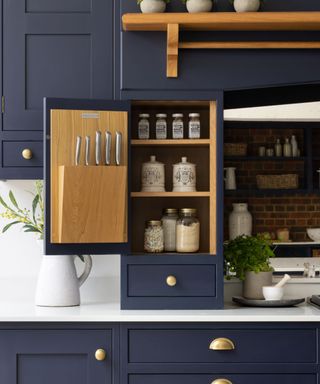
{"x": 272, "y": 293}
{"x": 314, "y": 233}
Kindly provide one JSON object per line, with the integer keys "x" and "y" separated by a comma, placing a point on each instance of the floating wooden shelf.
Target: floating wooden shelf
{"x": 170, "y": 194}
{"x": 182, "y": 142}
{"x": 172, "y": 23}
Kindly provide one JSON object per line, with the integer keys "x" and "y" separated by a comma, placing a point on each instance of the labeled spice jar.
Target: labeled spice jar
{"x": 194, "y": 126}
{"x": 184, "y": 176}
{"x": 153, "y": 236}
{"x": 188, "y": 231}
{"x": 177, "y": 126}
{"x": 169, "y": 220}
{"x": 161, "y": 126}
{"x": 144, "y": 126}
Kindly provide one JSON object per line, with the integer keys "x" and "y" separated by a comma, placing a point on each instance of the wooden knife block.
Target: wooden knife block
{"x": 92, "y": 204}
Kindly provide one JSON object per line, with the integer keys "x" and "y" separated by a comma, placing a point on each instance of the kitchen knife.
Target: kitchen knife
{"x": 78, "y": 149}
{"x": 98, "y": 147}
{"x": 118, "y": 147}
{"x": 108, "y": 147}
{"x": 87, "y": 153}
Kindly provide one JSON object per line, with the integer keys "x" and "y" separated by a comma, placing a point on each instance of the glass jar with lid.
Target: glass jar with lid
{"x": 177, "y": 126}
{"x": 169, "y": 220}
{"x": 188, "y": 231}
{"x": 144, "y": 126}
{"x": 194, "y": 126}
{"x": 153, "y": 236}
{"x": 161, "y": 126}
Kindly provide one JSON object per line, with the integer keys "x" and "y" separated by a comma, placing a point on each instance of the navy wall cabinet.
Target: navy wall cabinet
{"x": 53, "y": 49}
{"x": 65, "y": 356}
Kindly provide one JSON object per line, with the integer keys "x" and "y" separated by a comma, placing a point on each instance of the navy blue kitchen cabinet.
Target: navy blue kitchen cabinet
{"x": 54, "y": 49}
{"x": 65, "y": 356}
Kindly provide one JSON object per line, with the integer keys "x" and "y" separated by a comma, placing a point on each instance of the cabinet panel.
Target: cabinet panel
{"x": 13, "y": 157}
{"x": 51, "y": 6}
{"x": 55, "y": 356}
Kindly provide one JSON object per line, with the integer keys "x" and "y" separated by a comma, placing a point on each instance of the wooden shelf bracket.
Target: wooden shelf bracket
{"x": 172, "y": 50}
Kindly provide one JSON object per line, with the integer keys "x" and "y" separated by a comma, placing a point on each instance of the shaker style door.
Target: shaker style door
{"x": 87, "y": 170}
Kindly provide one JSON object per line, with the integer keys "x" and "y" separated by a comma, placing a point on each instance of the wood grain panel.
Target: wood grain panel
{"x": 66, "y": 125}
{"x": 213, "y": 178}
{"x": 250, "y": 45}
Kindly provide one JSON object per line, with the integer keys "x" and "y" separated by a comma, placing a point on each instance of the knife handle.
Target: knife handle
{"x": 108, "y": 148}
{"x": 98, "y": 147}
{"x": 118, "y": 147}
{"x": 87, "y": 153}
{"x": 78, "y": 149}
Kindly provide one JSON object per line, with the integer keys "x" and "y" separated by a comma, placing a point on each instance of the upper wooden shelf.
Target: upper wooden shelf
{"x": 224, "y": 21}
{"x": 172, "y": 23}
{"x": 182, "y": 142}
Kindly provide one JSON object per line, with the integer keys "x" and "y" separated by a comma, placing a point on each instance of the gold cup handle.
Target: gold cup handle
{"x": 222, "y": 344}
{"x": 100, "y": 354}
{"x": 221, "y": 381}
{"x": 27, "y": 154}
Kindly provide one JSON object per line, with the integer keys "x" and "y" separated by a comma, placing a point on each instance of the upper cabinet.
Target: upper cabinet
{"x": 50, "y": 49}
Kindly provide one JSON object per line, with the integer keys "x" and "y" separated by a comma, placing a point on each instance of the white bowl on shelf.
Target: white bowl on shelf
{"x": 314, "y": 234}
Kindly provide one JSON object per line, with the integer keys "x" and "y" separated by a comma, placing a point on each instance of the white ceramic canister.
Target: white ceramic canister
{"x": 240, "y": 221}
{"x": 153, "y": 176}
{"x": 184, "y": 176}
{"x": 196, "y": 6}
{"x": 152, "y": 6}
{"x": 246, "y": 5}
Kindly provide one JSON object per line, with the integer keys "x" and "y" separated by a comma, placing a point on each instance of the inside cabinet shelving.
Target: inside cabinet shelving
{"x": 202, "y": 152}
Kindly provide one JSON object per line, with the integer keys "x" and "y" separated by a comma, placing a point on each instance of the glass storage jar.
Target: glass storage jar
{"x": 153, "y": 236}
{"x": 161, "y": 126}
{"x": 188, "y": 231}
{"x": 169, "y": 220}
{"x": 177, "y": 126}
{"x": 144, "y": 126}
{"x": 194, "y": 126}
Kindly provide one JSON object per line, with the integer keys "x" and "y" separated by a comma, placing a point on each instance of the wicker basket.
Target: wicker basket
{"x": 235, "y": 149}
{"x": 290, "y": 181}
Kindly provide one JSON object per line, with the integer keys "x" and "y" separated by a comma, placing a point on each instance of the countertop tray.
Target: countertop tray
{"x": 267, "y": 303}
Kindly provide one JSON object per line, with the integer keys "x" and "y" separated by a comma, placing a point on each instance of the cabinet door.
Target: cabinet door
{"x": 55, "y": 356}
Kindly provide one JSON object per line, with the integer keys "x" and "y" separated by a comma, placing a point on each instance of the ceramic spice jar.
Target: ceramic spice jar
{"x": 184, "y": 176}
{"x": 153, "y": 176}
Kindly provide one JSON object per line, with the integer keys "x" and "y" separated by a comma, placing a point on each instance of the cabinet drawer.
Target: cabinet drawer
{"x": 251, "y": 346}
{"x": 263, "y": 378}
{"x": 172, "y": 280}
{"x": 13, "y": 157}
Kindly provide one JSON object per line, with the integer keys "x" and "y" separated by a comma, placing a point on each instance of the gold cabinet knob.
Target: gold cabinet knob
{"x": 222, "y": 344}
{"x": 171, "y": 281}
{"x": 221, "y": 381}
{"x": 27, "y": 154}
{"x": 100, "y": 354}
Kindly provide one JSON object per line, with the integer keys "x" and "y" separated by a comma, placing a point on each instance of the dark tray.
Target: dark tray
{"x": 267, "y": 303}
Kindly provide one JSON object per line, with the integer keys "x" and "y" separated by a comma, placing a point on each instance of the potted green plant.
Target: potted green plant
{"x": 153, "y": 6}
{"x": 248, "y": 258}
{"x": 197, "y": 6}
{"x": 246, "y": 5}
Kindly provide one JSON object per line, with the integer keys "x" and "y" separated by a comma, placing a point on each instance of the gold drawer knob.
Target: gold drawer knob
{"x": 222, "y": 344}
{"x": 221, "y": 381}
{"x": 27, "y": 154}
{"x": 100, "y": 354}
{"x": 171, "y": 281}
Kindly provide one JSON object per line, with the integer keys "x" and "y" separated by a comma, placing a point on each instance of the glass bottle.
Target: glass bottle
{"x": 188, "y": 231}
{"x": 278, "y": 148}
{"x": 194, "y": 126}
{"x": 161, "y": 126}
{"x": 144, "y": 126}
{"x": 169, "y": 220}
{"x": 177, "y": 126}
{"x": 153, "y": 236}
{"x": 287, "y": 149}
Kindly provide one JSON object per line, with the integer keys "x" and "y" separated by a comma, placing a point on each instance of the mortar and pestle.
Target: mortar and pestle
{"x": 275, "y": 292}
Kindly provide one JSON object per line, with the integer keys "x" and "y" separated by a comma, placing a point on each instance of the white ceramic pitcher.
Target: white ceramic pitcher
{"x": 230, "y": 179}
{"x": 58, "y": 284}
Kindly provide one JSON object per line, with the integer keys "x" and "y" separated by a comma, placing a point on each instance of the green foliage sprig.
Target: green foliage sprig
{"x": 248, "y": 253}
{"x": 32, "y": 220}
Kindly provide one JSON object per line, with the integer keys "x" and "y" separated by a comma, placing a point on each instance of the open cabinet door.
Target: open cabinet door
{"x": 86, "y": 176}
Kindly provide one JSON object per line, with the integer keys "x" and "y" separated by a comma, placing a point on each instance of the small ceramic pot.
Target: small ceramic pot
{"x": 246, "y": 5}
{"x": 184, "y": 176}
{"x": 153, "y": 176}
{"x": 253, "y": 284}
{"x": 152, "y": 6}
{"x": 197, "y": 6}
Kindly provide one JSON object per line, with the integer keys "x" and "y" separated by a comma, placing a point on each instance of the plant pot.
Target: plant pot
{"x": 253, "y": 283}
{"x": 152, "y": 6}
{"x": 197, "y": 6}
{"x": 246, "y": 5}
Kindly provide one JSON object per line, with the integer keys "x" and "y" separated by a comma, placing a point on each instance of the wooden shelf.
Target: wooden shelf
{"x": 263, "y": 158}
{"x": 172, "y": 23}
{"x": 182, "y": 142}
{"x": 170, "y": 194}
